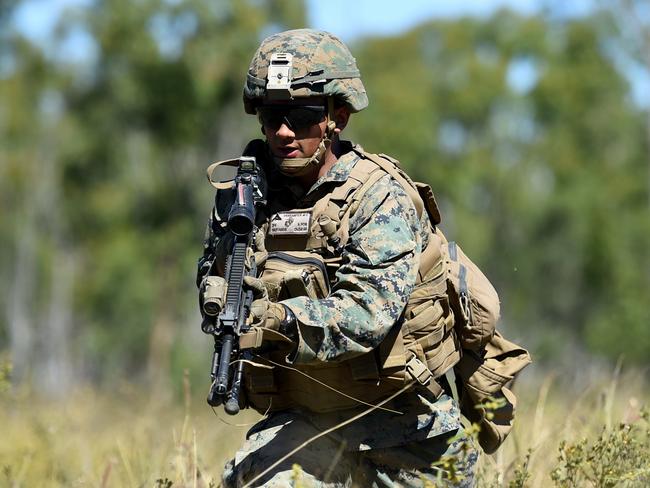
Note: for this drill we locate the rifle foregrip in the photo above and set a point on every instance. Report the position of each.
(214, 399)
(232, 406)
(221, 380)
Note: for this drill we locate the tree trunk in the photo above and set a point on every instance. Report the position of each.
(162, 331)
(57, 376)
(20, 303)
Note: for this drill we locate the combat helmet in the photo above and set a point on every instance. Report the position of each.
(304, 63)
(319, 65)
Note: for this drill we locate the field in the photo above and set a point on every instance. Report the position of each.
(128, 438)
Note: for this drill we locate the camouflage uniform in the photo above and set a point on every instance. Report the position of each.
(375, 283)
(331, 461)
(368, 299)
(371, 290)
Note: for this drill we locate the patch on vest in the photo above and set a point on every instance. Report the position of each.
(290, 223)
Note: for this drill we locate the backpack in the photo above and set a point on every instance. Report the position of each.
(489, 363)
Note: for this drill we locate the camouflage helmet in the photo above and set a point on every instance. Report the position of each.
(319, 64)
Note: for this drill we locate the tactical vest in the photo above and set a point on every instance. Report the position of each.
(419, 349)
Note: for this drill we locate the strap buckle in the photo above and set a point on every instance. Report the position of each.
(419, 370)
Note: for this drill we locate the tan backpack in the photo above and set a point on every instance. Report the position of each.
(489, 363)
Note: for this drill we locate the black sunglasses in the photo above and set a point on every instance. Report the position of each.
(296, 117)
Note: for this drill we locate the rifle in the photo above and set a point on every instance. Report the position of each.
(226, 323)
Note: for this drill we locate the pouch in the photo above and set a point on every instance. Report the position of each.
(485, 378)
(473, 299)
(294, 274)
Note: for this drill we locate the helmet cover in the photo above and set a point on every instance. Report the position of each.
(321, 65)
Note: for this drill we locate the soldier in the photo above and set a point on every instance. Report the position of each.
(349, 257)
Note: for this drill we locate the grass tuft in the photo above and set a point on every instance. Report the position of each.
(597, 435)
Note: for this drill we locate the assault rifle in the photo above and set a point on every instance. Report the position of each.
(226, 319)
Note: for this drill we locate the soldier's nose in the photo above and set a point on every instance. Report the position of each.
(285, 130)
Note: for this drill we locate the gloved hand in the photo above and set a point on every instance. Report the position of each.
(264, 313)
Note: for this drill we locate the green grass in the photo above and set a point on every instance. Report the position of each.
(596, 435)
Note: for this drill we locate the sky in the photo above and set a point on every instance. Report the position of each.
(348, 19)
(386, 17)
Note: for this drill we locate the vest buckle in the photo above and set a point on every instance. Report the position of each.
(419, 370)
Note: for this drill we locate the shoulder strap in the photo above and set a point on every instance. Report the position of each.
(334, 209)
(391, 167)
(344, 200)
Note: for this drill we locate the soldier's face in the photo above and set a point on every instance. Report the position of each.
(295, 129)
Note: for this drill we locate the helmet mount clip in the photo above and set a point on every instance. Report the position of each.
(279, 76)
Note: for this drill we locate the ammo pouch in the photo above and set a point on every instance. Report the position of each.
(370, 377)
(295, 274)
(484, 380)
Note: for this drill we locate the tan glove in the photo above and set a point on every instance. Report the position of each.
(264, 313)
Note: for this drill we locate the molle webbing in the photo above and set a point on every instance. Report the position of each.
(391, 167)
(342, 201)
(423, 347)
(341, 204)
(366, 172)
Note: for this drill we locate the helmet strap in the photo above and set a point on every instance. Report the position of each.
(303, 166)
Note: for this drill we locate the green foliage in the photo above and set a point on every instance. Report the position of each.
(132, 436)
(124, 437)
(537, 174)
(522, 473)
(102, 161)
(618, 457)
(5, 375)
(450, 466)
(106, 165)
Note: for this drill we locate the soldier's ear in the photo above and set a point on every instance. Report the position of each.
(341, 117)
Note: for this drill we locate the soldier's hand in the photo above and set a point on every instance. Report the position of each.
(264, 313)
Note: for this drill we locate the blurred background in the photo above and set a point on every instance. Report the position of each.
(530, 119)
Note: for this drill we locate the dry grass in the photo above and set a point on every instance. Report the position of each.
(126, 438)
(604, 415)
(116, 439)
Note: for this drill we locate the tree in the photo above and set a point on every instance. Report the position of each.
(518, 122)
(109, 238)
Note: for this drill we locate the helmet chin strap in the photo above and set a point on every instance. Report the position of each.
(303, 166)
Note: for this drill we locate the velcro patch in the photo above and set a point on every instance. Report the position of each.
(294, 222)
